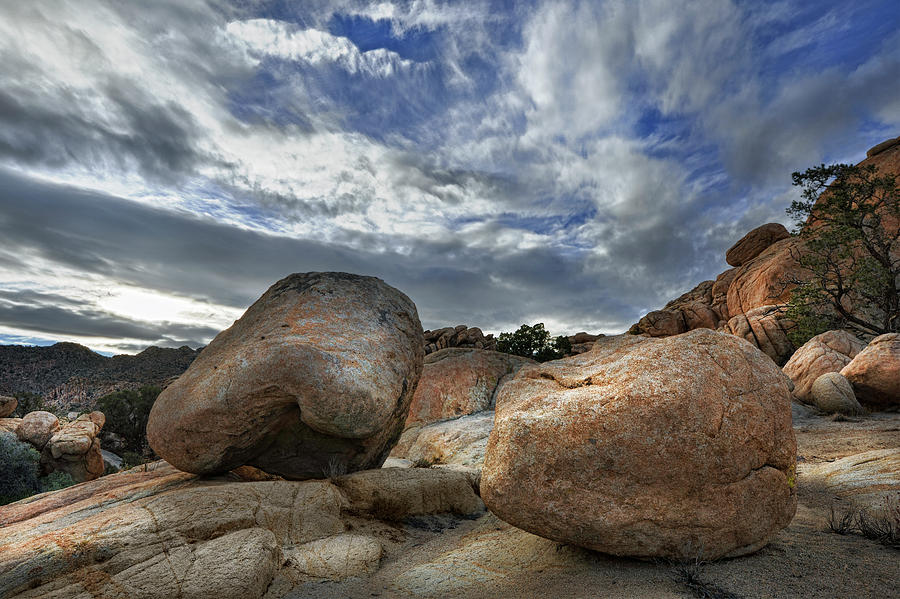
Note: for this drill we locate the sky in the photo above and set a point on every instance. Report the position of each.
(573, 163)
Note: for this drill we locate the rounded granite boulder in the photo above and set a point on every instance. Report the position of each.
(315, 378)
(648, 447)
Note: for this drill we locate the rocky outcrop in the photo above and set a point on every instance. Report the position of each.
(319, 371)
(832, 394)
(156, 532)
(827, 352)
(37, 428)
(458, 336)
(456, 382)
(452, 411)
(875, 373)
(866, 479)
(647, 447)
(765, 280)
(75, 448)
(767, 328)
(753, 243)
(8, 405)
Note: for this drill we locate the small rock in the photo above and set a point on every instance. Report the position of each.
(832, 393)
(38, 427)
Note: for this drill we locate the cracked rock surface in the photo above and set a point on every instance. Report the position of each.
(647, 447)
(162, 533)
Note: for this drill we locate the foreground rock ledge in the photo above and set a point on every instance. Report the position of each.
(316, 377)
(160, 533)
(646, 447)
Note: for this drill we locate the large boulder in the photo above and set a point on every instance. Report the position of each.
(753, 243)
(832, 393)
(75, 448)
(767, 328)
(318, 374)
(8, 405)
(827, 352)
(37, 428)
(647, 447)
(457, 381)
(875, 373)
(766, 279)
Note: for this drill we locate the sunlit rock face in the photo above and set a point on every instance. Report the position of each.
(647, 447)
(318, 374)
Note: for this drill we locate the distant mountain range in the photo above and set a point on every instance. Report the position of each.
(71, 376)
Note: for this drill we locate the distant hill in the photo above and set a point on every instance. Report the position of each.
(71, 376)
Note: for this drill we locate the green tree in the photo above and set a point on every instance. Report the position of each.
(849, 222)
(534, 342)
(127, 413)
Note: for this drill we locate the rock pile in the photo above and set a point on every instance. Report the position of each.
(458, 336)
(828, 352)
(647, 447)
(317, 375)
(743, 300)
(73, 447)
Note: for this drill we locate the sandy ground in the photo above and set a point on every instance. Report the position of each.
(448, 557)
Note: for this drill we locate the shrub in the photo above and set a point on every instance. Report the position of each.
(19, 469)
(534, 342)
(28, 402)
(126, 415)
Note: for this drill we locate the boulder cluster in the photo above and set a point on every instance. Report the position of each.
(743, 300)
(458, 336)
(72, 447)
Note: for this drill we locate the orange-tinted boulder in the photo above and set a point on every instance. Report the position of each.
(753, 243)
(828, 352)
(765, 280)
(37, 428)
(649, 447)
(767, 328)
(7, 406)
(317, 374)
(460, 381)
(875, 373)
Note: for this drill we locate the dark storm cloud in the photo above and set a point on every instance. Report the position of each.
(59, 315)
(193, 256)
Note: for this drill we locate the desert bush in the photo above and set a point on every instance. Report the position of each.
(881, 525)
(689, 573)
(28, 402)
(19, 469)
(534, 342)
(126, 414)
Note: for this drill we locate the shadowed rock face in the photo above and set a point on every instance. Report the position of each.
(319, 372)
(647, 447)
(875, 373)
(827, 352)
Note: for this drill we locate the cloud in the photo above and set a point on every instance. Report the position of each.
(576, 163)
